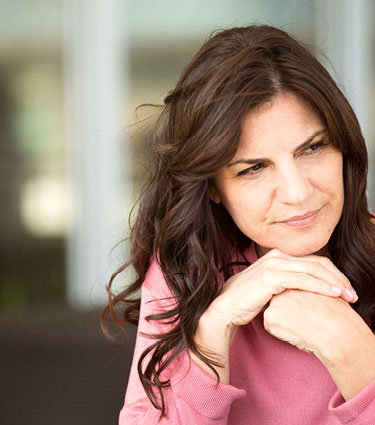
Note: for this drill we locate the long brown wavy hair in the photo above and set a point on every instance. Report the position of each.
(196, 133)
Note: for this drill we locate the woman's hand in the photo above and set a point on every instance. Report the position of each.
(330, 329)
(245, 294)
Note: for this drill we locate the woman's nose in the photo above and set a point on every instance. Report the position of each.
(293, 186)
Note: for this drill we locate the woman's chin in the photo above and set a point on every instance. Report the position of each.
(296, 251)
(304, 252)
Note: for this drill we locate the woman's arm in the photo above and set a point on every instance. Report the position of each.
(193, 397)
(330, 329)
(339, 337)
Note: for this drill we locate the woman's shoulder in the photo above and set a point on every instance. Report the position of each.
(372, 218)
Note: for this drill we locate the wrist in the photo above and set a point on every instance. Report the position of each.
(345, 361)
(213, 338)
(345, 342)
(215, 333)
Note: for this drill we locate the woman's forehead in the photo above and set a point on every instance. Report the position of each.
(286, 120)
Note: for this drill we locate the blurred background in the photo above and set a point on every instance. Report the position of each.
(71, 75)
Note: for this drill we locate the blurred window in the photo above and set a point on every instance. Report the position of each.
(32, 161)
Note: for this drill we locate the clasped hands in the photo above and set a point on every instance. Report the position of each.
(306, 302)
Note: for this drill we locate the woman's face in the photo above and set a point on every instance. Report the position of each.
(284, 187)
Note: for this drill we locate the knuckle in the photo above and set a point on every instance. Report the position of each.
(326, 262)
(277, 288)
(273, 262)
(302, 278)
(266, 276)
(275, 301)
(269, 320)
(285, 296)
(275, 252)
(267, 316)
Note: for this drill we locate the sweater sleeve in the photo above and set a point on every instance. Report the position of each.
(193, 396)
(360, 410)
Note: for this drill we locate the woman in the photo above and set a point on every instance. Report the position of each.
(254, 247)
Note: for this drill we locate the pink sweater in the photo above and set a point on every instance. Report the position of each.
(272, 382)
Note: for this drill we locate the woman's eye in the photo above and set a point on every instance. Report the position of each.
(315, 147)
(252, 170)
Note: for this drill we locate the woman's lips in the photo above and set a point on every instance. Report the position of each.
(303, 220)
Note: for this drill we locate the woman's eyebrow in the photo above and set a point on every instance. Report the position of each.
(298, 148)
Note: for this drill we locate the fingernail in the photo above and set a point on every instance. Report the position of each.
(352, 294)
(336, 290)
(355, 295)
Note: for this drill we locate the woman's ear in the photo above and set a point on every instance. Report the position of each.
(213, 193)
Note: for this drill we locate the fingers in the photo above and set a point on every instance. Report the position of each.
(246, 293)
(327, 263)
(307, 282)
(312, 273)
